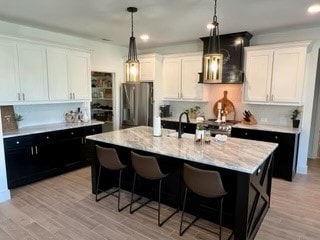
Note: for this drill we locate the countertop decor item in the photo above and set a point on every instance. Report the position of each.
(248, 118)
(294, 117)
(8, 119)
(226, 106)
(132, 64)
(213, 60)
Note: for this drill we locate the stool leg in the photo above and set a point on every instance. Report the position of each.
(97, 189)
(183, 206)
(221, 205)
(132, 192)
(159, 199)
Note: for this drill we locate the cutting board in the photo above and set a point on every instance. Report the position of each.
(227, 105)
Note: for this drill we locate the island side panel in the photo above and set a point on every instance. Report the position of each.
(252, 200)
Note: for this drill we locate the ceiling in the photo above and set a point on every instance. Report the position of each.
(166, 21)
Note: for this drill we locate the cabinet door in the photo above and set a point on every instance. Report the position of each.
(172, 78)
(288, 75)
(33, 72)
(146, 69)
(9, 79)
(258, 73)
(19, 160)
(57, 74)
(79, 75)
(190, 88)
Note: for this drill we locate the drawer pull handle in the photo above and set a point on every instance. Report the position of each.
(17, 142)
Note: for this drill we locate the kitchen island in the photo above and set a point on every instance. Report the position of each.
(245, 167)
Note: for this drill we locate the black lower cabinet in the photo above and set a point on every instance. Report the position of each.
(285, 156)
(38, 156)
(186, 127)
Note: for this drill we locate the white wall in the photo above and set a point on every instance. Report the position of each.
(4, 192)
(275, 115)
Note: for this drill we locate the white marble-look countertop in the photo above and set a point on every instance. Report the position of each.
(270, 128)
(47, 128)
(236, 154)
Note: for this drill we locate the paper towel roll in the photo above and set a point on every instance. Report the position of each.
(157, 126)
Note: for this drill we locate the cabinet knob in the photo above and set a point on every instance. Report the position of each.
(47, 137)
(71, 133)
(17, 142)
(93, 130)
(276, 137)
(246, 133)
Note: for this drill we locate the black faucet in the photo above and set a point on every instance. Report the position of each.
(180, 132)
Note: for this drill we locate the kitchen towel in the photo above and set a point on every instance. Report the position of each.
(157, 126)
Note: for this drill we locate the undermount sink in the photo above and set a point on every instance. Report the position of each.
(184, 135)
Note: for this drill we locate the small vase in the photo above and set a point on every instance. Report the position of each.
(295, 123)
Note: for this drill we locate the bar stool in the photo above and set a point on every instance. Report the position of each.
(148, 168)
(204, 183)
(108, 159)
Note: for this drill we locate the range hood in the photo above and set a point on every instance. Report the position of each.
(232, 47)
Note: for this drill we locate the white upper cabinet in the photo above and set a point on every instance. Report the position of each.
(275, 74)
(79, 75)
(32, 72)
(9, 75)
(181, 77)
(147, 68)
(68, 74)
(57, 74)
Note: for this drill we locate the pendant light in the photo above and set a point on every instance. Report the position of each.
(213, 59)
(132, 64)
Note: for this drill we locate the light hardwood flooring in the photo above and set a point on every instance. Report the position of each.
(64, 208)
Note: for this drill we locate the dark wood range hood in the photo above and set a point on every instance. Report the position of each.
(232, 47)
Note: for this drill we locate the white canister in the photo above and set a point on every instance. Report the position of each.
(157, 126)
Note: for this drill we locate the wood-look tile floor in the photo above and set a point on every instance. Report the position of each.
(64, 208)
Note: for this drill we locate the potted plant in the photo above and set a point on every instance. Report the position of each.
(18, 118)
(199, 136)
(294, 117)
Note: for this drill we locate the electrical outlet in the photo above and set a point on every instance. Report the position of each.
(264, 120)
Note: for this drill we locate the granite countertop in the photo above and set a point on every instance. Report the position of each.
(270, 128)
(47, 128)
(236, 154)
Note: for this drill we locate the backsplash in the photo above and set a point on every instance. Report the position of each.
(264, 114)
(46, 113)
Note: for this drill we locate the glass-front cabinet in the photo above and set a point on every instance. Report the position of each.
(102, 98)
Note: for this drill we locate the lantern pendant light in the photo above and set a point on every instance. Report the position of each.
(132, 64)
(213, 59)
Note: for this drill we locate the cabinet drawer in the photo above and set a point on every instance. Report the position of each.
(17, 142)
(92, 130)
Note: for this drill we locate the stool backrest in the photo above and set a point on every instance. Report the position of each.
(108, 158)
(206, 183)
(146, 166)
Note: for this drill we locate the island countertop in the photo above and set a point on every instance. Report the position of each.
(235, 154)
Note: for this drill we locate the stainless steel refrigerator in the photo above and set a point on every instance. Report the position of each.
(137, 104)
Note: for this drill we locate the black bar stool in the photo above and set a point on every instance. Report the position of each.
(204, 183)
(148, 168)
(108, 159)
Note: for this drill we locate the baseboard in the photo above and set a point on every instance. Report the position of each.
(5, 195)
(302, 169)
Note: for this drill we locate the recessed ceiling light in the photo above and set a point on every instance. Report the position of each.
(144, 37)
(314, 8)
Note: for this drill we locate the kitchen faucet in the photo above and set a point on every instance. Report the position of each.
(180, 129)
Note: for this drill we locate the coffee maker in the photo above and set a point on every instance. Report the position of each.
(164, 110)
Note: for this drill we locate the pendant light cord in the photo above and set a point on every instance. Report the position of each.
(131, 24)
